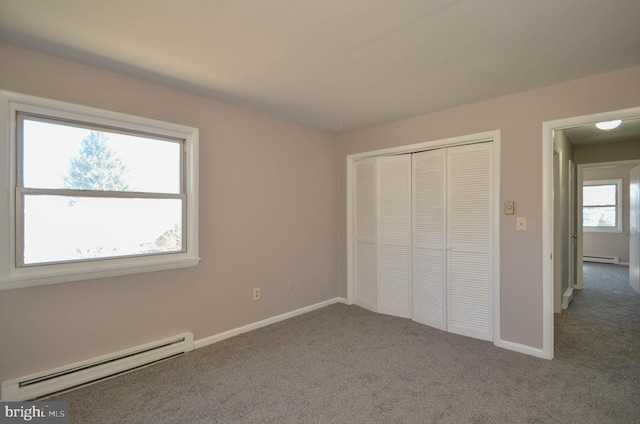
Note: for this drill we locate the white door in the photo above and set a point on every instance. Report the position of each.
(469, 241)
(429, 238)
(394, 235)
(365, 226)
(573, 237)
(634, 239)
(423, 237)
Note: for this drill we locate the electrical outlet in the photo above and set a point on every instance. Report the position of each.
(521, 223)
(256, 293)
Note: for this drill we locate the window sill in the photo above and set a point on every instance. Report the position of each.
(601, 230)
(40, 276)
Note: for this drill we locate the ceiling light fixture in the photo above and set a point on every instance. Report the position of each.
(608, 125)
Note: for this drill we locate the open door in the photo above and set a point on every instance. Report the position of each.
(572, 225)
(634, 227)
(573, 237)
(557, 235)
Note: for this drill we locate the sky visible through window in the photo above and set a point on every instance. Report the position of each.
(48, 148)
(63, 228)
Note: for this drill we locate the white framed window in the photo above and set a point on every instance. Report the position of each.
(92, 193)
(602, 205)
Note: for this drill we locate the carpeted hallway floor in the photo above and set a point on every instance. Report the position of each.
(344, 364)
(603, 319)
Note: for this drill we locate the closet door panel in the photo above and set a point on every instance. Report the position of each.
(394, 281)
(469, 240)
(365, 229)
(429, 238)
(429, 301)
(365, 288)
(470, 293)
(394, 244)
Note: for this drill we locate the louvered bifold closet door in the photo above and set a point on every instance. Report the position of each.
(365, 223)
(469, 240)
(394, 235)
(429, 238)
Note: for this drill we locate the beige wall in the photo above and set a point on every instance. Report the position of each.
(609, 244)
(607, 152)
(520, 118)
(272, 210)
(267, 217)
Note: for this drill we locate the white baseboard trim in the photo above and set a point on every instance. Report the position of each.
(254, 326)
(520, 348)
(623, 263)
(342, 300)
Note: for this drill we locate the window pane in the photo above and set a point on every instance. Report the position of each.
(59, 156)
(59, 228)
(599, 216)
(599, 195)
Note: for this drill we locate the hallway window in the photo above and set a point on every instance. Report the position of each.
(601, 205)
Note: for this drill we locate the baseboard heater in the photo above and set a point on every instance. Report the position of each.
(567, 296)
(602, 259)
(86, 372)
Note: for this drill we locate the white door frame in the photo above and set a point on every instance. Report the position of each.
(494, 137)
(634, 224)
(548, 256)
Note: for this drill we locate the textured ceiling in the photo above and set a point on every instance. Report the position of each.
(336, 64)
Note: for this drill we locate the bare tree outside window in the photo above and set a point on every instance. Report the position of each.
(97, 166)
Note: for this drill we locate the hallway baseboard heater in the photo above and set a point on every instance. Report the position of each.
(91, 371)
(567, 297)
(601, 259)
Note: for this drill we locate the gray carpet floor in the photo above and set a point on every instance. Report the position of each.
(344, 364)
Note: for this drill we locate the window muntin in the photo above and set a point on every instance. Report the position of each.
(159, 190)
(601, 205)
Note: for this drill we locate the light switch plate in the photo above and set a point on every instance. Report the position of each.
(509, 208)
(521, 223)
